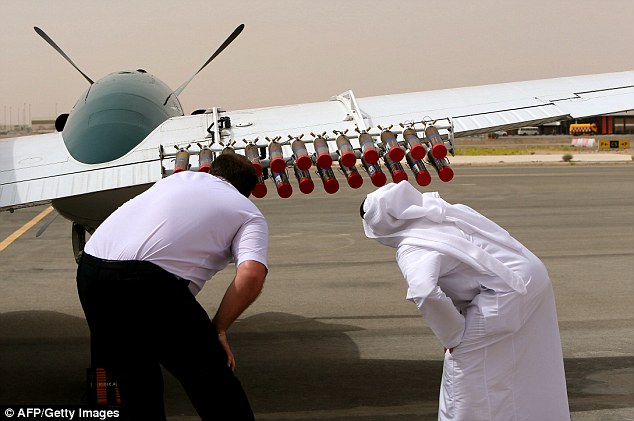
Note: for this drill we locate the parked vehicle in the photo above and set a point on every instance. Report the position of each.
(528, 131)
(577, 129)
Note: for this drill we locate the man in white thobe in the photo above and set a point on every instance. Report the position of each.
(485, 296)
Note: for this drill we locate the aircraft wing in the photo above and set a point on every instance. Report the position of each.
(473, 110)
(37, 169)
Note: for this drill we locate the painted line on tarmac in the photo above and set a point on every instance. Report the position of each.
(10, 239)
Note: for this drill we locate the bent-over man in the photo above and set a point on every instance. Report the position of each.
(138, 277)
(485, 296)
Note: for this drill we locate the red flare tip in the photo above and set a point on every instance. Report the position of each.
(177, 170)
(259, 191)
(306, 185)
(278, 165)
(371, 156)
(423, 178)
(303, 162)
(355, 180)
(445, 174)
(284, 190)
(399, 176)
(378, 179)
(331, 185)
(204, 168)
(396, 153)
(439, 150)
(417, 152)
(258, 168)
(324, 161)
(348, 159)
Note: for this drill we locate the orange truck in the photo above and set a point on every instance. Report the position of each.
(578, 129)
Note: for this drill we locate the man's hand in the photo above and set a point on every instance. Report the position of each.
(231, 361)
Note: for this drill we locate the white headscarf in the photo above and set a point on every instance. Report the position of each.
(398, 214)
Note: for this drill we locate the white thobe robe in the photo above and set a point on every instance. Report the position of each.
(507, 362)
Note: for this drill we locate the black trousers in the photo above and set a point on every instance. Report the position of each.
(141, 317)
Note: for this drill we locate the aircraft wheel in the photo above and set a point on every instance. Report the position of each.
(79, 240)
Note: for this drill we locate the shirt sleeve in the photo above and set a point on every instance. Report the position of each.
(251, 241)
(422, 268)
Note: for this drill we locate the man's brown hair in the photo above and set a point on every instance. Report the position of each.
(237, 170)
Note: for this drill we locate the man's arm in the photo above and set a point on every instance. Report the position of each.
(241, 293)
(443, 318)
(421, 269)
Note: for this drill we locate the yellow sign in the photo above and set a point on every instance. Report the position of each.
(614, 144)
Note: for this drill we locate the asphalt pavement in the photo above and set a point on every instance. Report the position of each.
(332, 337)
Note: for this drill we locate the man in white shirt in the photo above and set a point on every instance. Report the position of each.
(486, 297)
(138, 277)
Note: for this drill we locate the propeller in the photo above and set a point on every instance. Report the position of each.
(224, 45)
(59, 50)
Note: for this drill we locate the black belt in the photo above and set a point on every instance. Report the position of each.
(120, 264)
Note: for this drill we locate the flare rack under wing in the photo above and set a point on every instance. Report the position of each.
(289, 139)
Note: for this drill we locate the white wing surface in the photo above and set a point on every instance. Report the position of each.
(473, 110)
(37, 169)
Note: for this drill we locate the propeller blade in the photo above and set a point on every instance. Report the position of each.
(59, 50)
(224, 45)
(48, 222)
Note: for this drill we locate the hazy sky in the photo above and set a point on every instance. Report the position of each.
(295, 51)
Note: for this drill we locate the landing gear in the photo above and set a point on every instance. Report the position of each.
(79, 240)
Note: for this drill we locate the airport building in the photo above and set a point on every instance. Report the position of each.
(42, 125)
(617, 124)
(621, 123)
(609, 124)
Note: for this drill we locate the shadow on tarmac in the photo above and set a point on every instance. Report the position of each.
(293, 363)
(287, 363)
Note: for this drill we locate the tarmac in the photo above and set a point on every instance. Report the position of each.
(332, 337)
(585, 157)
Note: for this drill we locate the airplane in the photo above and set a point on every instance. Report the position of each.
(128, 130)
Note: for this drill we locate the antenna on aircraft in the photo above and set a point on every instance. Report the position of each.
(224, 45)
(59, 50)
